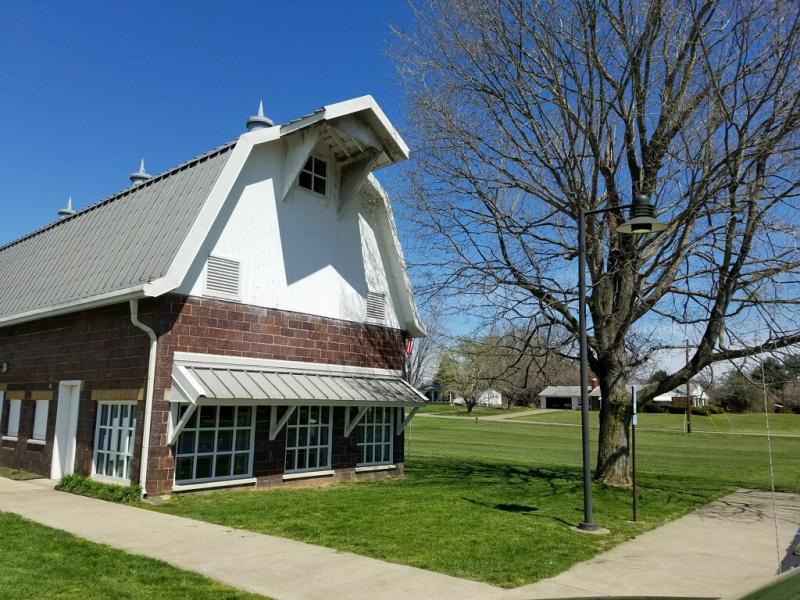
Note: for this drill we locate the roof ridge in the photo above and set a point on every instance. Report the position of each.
(121, 194)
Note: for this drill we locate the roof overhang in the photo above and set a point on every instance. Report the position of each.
(199, 379)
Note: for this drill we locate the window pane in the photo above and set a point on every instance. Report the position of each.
(203, 468)
(128, 469)
(104, 414)
(305, 180)
(226, 416)
(313, 415)
(243, 416)
(302, 419)
(101, 439)
(183, 468)
(186, 443)
(192, 422)
(323, 439)
(101, 463)
(289, 463)
(208, 416)
(319, 167)
(114, 415)
(302, 435)
(240, 464)
(319, 185)
(223, 466)
(369, 454)
(312, 459)
(111, 463)
(323, 458)
(243, 439)
(205, 441)
(224, 440)
(309, 164)
(313, 436)
(301, 459)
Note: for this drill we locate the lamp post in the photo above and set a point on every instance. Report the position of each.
(642, 220)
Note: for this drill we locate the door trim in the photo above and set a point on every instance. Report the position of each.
(65, 437)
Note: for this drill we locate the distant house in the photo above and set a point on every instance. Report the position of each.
(677, 397)
(239, 319)
(433, 393)
(567, 397)
(490, 399)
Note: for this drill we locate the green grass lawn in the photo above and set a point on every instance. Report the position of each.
(39, 562)
(730, 423)
(495, 501)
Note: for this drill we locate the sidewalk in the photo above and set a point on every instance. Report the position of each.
(272, 566)
(724, 548)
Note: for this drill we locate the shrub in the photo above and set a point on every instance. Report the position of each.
(84, 486)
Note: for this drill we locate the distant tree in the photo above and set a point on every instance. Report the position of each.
(447, 375)
(524, 112)
(658, 376)
(737, 392)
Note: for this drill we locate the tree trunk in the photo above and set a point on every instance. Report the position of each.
(615, 415)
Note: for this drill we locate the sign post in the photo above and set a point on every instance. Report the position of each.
(633, 448)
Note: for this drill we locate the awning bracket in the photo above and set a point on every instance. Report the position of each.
(349, 425)
(176, 430)
(401, 425)
(275, 426)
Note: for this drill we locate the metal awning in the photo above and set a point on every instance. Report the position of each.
(203, 379)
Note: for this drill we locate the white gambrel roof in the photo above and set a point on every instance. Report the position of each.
(124, 241)
(142, 241)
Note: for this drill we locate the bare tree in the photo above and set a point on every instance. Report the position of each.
(522, 111)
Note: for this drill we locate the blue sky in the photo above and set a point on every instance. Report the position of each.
(87, 88)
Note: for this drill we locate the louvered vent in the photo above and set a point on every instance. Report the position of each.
(376, 306)
(222, 277)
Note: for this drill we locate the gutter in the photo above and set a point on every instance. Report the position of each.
(148, 399)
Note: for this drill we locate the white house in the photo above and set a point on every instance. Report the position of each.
(490, 398)
(567, 397)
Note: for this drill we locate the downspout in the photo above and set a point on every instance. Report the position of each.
(148, 398)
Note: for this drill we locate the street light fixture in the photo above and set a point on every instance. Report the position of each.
(642, 221)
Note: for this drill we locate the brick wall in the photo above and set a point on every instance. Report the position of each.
(190, 324)
(102, 349)
(99, 347)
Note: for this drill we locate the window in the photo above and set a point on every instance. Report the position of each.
(113, 440)
(222, 277)
(375, 437)
(308, 439)
(40, 420)
(12, 429)
(217, 443)
(313, 175)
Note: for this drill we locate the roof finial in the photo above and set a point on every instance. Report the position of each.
(140, 176)
(66, 212)
(259, 121)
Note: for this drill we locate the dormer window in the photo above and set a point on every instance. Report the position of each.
(313, 175)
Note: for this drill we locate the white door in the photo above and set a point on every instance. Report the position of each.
(69, 393)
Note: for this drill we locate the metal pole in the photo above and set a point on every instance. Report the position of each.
(633, 448)
(587, 524)
(688, 394)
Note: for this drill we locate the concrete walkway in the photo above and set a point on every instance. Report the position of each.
(724, 548)
(272, 566)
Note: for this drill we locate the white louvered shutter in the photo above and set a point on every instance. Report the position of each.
(222, 277)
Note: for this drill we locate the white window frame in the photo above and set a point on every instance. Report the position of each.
(112, 432)
(40, 413)
(369, 423)
(14, 410)
(293, 434)
(193, 427)
(327, 178)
